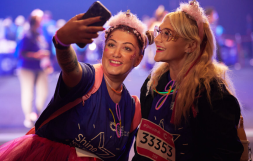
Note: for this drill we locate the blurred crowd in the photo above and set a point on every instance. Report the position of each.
(236, 50)
(26, 50)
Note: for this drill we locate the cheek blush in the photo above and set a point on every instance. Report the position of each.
(133, 56)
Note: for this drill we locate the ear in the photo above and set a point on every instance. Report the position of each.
(191, 46)
(138, 60)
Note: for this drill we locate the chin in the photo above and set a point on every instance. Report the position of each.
(157, 59)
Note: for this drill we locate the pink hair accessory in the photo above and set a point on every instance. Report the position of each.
(57, 39)
(195, 12)
(130, 20)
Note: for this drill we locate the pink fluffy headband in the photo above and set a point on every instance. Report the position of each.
(130, 20)
(196, 13)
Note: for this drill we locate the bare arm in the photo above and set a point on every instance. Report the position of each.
(74, 31)
(71, 69)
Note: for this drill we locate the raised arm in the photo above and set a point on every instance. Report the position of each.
(74, 31)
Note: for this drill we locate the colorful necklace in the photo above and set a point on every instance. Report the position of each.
(118, 92)
(165, 94)
(119, 118)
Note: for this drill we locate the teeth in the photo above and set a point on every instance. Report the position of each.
(159, 48)
(115, 62)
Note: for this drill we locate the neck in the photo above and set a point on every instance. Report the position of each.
(175, 68)
(113, 82)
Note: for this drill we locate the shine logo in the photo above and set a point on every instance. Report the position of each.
(81, 142)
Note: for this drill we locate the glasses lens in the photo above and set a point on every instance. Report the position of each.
(165, 34)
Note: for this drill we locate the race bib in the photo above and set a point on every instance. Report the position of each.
(155, 143)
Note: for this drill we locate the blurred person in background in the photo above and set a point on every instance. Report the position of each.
(33, 68)
(9, 29)
(249, 33)
(159, 14)
(59, 23)
(19, 22)
(48, 26)
(148, 60)
(213, 17)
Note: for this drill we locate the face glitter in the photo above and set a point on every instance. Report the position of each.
(133, 56)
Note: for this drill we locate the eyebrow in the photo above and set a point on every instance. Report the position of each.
(165, 28)
(129, 43)
(123, 43)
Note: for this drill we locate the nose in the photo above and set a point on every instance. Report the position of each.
(158, 38)
(117, 53)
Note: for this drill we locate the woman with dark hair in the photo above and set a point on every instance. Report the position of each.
(102, 123)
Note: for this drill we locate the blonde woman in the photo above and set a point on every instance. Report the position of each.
(189, 111)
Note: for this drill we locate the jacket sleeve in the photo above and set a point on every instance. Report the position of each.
(215, 132)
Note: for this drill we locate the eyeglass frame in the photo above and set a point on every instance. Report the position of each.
(157, 32)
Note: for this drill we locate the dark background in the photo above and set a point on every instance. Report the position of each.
(232, 13)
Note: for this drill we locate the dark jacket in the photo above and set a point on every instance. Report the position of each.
(213, 129)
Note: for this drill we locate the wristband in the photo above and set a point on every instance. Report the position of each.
(62, 44)
(58, 44)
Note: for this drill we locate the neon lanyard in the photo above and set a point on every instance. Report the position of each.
(119, 118)
(165, 95)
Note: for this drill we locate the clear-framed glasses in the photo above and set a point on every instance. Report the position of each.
(166, 34)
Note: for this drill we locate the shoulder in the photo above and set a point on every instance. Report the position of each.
(88, 72)
(221, 103)
(137, 114)
(218, 92)
(27, 37)
(216, 123)
(87, 67)
(144, 85)
(161, 82)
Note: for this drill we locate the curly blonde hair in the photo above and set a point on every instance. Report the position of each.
(202, 73)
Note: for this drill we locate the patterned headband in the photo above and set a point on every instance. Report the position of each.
(195, 12)
(128, 20)
(132, 30)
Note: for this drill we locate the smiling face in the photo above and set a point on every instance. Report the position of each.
(121, 54)
(170, 47)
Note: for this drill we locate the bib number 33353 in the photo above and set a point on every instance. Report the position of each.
(154, 142)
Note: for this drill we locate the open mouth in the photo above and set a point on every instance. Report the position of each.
(115, 62)
(158, 48)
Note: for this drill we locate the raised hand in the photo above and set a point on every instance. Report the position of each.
(77, 30)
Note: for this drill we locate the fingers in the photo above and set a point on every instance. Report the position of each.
(92, 29)
(86, 41)
(79, 16)
(89, 35)
(77, 31)
(89, 21)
